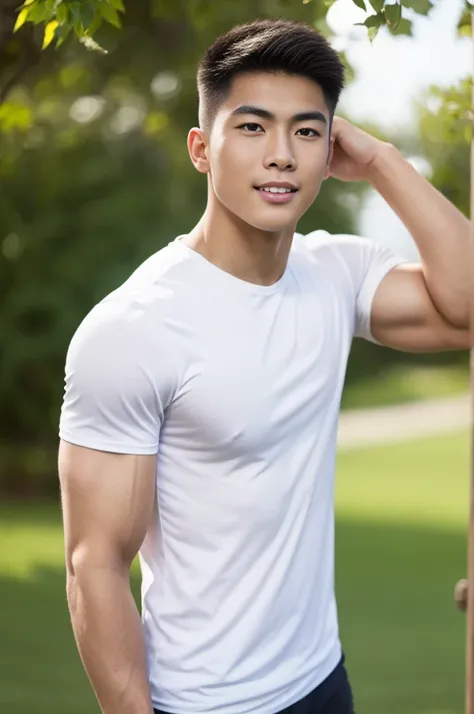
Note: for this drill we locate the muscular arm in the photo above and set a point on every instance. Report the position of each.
(405, 318)
(107, 502)
(423, 307)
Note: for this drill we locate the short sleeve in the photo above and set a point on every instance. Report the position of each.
(374, 264)
(364, 265)
(117, 383)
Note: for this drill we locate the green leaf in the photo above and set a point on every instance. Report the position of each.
(38, 12)
(465, 30)
(405, 27)
(373, 23)
(375, 20)
(49, 32)
(377, 5)
(21, 19)
(95, 24)
(393, 15)
(361, 4)
(465, 24)
(62, 13)
(373, 32)
(77, 20)
(422, 7)
(61, 34)
(118, 5)
(87, 13)
(110, 14)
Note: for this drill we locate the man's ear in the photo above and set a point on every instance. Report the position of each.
(327, 170)
(197, 147)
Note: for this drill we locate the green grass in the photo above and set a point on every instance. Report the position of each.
(401, 546)
(403, 384)
(401, 522)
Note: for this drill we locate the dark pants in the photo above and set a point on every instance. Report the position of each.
(333, 696)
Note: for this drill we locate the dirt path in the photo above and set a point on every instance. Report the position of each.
(386, 425)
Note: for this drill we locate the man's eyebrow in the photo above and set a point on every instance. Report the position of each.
(265, 114)
(309, 116)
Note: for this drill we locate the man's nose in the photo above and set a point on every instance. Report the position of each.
(280, 155)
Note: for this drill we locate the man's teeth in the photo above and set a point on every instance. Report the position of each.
(274, 189)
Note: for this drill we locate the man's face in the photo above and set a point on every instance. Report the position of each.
(273, 128)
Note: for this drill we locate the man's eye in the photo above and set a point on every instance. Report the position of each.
(250, 126)
(308, 132)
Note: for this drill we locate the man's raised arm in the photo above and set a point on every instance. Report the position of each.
(107, 502)
(425, 306)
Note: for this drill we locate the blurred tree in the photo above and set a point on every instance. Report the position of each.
(445, 133)
(95, 177)
(61, 17)
(54, 20)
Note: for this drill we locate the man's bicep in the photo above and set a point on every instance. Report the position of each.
(404, 317)
(107, 502)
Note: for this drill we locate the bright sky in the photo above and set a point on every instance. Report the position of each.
(392, 73)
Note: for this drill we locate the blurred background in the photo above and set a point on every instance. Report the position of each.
(95, 177)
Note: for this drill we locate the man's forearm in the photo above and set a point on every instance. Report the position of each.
(108, 633)
(440, 230)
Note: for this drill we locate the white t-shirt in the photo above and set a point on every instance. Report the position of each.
(237, 389)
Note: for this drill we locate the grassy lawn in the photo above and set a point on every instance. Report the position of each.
(406, 383)
(401, 512)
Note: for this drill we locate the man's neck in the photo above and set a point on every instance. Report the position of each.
(246, 252)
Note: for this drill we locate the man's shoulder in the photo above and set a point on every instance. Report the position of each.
(320, 243)
(141, 305)
(156, 283)
(334, 252)
(164, 275)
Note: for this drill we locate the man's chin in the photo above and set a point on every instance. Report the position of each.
(276, 218)
(274, 224)
(276, 230)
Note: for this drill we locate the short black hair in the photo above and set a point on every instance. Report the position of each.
(267, 45)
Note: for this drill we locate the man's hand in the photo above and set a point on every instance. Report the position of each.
(354, 151)
(422, 307)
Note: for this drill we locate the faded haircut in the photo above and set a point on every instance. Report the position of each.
(274, 46)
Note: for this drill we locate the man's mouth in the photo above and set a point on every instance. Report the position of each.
(274, 189)
(277, 187)
(277, 192)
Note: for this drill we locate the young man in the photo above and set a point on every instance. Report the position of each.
(202, 398)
